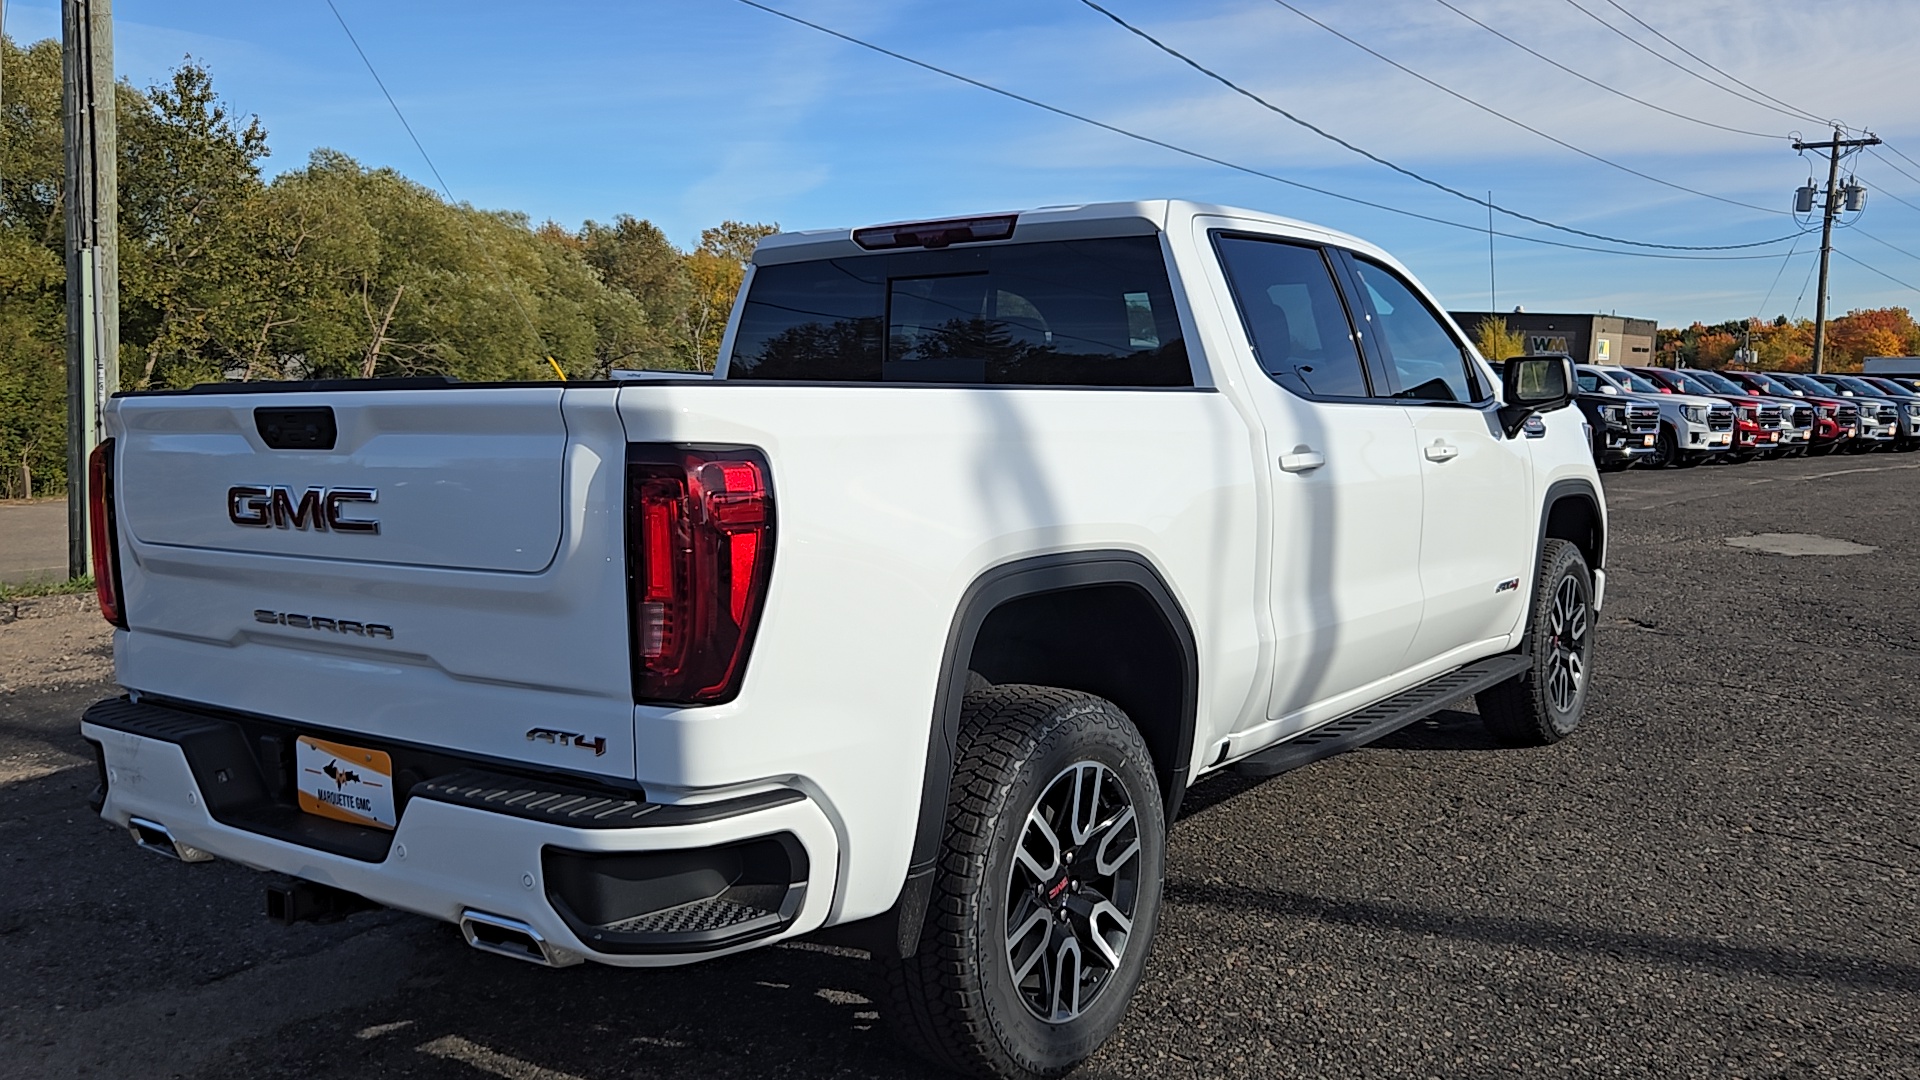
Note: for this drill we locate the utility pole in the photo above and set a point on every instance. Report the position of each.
(1829, 210)
(1493, 294)
(93, 264)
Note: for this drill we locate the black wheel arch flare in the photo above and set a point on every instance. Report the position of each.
(996, 587)
(1594, 546)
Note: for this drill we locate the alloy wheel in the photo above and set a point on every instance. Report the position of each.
(1568, 628)
(1072, 890)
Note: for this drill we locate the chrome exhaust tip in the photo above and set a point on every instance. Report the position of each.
(511, 937)
(155, 837)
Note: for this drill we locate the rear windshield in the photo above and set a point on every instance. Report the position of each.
(1060, 313)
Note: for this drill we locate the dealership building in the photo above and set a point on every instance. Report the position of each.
(1589, 339)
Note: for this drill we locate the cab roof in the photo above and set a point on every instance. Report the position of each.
(1077, 222)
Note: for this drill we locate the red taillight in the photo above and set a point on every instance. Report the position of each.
(699, 551)
(104, 536)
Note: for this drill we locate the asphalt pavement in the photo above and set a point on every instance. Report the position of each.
(33, 540)
(1716, 877)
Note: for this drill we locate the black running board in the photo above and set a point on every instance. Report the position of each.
(1357, 729)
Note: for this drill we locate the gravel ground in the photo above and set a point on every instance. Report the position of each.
(1715, 878)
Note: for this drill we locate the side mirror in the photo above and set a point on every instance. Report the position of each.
(1533, 384)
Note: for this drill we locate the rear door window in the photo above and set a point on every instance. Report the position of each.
(1294, 316)
(1060, 313)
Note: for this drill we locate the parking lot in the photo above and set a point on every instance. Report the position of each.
(1718, 877)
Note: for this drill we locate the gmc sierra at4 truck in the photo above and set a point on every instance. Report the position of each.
(908, 628)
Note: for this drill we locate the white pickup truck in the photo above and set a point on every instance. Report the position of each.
(909, 628)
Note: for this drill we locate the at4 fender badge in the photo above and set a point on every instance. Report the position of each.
(1507, 586)
(597, 744)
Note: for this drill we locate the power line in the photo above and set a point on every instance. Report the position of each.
(1650, 51)
(1888, 194)
(1876, 270)
(1776, 278)
(1804, 282)
(473, 235)
(1544, 58)
(1884, 244)
(1895, 168)
(1455, 192)
(1497, 113)
(1785, 110)
(1222, 162)
(1903, 157)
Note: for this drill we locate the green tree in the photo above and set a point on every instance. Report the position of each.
(32, 275)
(331, 270)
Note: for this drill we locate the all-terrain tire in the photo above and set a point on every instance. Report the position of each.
(957, 1001)
(1542, 704)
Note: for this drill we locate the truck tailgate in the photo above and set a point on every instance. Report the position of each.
(467, 480)
(469, 594)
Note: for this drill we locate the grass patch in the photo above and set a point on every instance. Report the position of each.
(69, 587)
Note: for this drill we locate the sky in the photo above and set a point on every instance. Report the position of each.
(690, 112)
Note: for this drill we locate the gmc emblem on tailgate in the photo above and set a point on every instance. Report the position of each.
(319, 509)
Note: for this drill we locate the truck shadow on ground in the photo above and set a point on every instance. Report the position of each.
(1856, 972)
(1449, 729)
(791, 1011)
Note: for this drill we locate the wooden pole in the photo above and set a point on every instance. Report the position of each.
(92, 245)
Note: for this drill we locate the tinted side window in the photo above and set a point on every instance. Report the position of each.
(1061, 313)
(1431, 365)
(1294, 316)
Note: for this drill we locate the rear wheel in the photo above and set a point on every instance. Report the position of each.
(1542, 704)
(1047, 890)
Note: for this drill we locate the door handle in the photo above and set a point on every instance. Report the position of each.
(1302, 459)
(1442, 451)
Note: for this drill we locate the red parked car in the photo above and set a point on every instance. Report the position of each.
(1836, 420)
(1756, 420)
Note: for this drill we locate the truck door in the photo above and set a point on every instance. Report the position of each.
(1344, 589)
(1477, 521)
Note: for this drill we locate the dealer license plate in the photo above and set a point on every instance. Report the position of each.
(1648, 441)
(345, 783)
(1722, 440)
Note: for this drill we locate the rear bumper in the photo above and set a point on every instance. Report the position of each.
(665, 884)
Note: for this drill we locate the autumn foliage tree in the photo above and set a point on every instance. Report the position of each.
(1787, 345)
(1496, 341)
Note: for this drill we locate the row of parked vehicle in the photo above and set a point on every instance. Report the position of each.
(1661, 417)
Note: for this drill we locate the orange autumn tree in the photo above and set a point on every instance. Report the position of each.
(1866, 332)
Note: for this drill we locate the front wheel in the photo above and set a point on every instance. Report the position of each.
(1542, 704)
(1666, 449)
(1047, 890)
